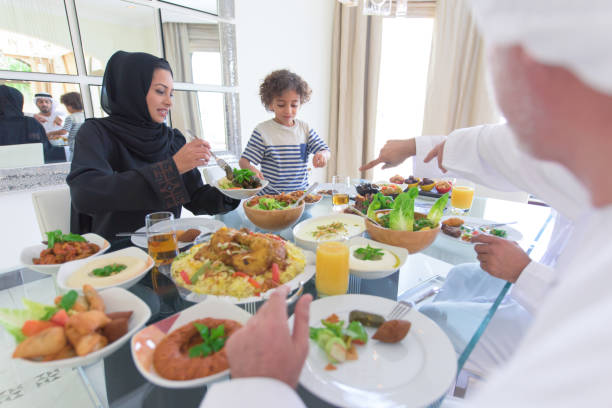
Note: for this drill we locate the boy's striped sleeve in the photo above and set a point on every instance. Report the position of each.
(255, 148)
(315, 143)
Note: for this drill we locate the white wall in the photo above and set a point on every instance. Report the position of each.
(292, 34)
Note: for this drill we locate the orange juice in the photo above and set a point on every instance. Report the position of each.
(332, 268)
(461, 197)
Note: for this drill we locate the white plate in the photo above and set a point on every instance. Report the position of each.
(242, 193)
(31, 252)
(513, 234)
(388, 183)
(201, 223)
(306, 225)
(401, 253)
(293, 284)
(414, 372)
(115, 300)
(143, 343)
(68, 269)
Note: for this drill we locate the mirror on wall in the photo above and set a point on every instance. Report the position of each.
(59, 121)
(208, 6)
(193, 48)
(111, 25)
(34, 37)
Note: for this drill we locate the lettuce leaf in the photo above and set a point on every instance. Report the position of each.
(13, 319)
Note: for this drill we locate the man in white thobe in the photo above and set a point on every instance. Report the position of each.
(551, 66)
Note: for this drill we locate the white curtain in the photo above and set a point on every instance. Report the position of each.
(356, 48)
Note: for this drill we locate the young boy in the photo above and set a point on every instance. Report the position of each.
(281, 145)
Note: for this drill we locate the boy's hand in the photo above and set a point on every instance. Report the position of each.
(319, 159)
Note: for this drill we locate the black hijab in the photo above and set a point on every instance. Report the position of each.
(15, 127)
(126, 82)
(11, 102)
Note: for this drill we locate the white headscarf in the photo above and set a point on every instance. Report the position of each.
(574, 34)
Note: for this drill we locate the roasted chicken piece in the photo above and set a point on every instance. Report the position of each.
(48, 341)
(93, 298)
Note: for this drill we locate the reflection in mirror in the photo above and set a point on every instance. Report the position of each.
(204, 114)
(59, 122)
(192, 48)
(209, 6)
(34, 37)
(114, 25)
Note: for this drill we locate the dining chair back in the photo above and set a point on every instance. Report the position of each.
(52, 208)
(21, 155)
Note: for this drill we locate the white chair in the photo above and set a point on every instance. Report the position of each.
(52, 208)
(21, 155)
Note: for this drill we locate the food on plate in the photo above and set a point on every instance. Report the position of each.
(326, 192)
(390, 189)
(338, 342)
(329, 230)
(371, 258)
(242, 178)
(454, 232)
(401, 217)
(106, 271)
(194, 350)
(453, 222)
(494, 231)
(366, 318)
(378, 202)
(443, 187)
(238, 263)
(397, 179)
(392, 331)
(187, 236)
(367, 188)
(64, 247)
(75, 326)
(427, 184)
(412, 181)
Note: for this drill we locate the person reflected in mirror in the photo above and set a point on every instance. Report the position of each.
(16, 128)
(72, 123)
(131, 163)
(282, 145)
(49, 115)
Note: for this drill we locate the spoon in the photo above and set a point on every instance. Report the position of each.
(229, 173)
(310, 189)
(296, 295)
(362, 215)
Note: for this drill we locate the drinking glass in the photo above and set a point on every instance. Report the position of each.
(341, 186)
(462, 196)
(161, 237)
(332, 275)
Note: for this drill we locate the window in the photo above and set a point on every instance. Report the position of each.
(406, 46)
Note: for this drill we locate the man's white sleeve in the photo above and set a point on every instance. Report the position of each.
(424, 144)
(254, 392)
(533, 285)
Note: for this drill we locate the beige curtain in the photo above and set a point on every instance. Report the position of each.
(356, 49)
(457, 94)
(185, 113)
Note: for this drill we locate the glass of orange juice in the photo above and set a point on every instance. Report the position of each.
(332, 276)
(462, 196)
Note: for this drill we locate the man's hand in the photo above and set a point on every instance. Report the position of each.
(320, 159)
(58, 121)
(191, 155)
(265, 348)
(501, 258)
(40, 118)
(438, 152)
(393, 153)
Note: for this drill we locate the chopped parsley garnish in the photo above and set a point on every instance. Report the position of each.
(213, 340)
(109, 270)
(369, 254)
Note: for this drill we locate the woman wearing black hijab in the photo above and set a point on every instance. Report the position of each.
(130, 163)
(16, 128)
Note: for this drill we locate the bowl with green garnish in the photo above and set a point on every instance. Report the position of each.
(369, 259)
(123, 268)
(242, 184)
(273, 212)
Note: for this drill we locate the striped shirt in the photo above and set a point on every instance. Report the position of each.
(283, 153)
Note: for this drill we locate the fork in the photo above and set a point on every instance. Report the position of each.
(401, 308)
(229, 173)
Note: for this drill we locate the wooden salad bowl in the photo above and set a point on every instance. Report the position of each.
(273, 220)
(413, 241)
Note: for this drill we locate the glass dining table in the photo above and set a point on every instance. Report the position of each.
(116, 382)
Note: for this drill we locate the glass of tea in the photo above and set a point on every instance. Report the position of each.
(341, 186)
(332, 266)
(161, 237)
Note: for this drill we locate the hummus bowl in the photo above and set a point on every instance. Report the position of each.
(73, 275)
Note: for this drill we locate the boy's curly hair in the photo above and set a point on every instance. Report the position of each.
(278, 82)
